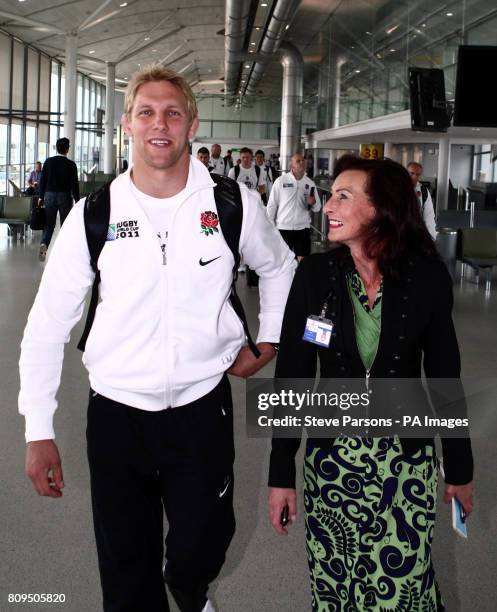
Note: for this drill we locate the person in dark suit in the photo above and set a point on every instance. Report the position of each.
(58, 186)
(385, 298)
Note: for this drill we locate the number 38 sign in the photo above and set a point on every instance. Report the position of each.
(372, 151)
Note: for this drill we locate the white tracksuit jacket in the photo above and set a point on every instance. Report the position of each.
(162, 335)
(287, 206)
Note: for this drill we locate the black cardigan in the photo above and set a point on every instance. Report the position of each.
(416, 323)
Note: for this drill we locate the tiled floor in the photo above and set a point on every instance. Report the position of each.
(47, 546)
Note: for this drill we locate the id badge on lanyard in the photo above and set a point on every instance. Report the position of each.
(318, 330)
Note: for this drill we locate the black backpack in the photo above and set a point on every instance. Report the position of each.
(230, 211)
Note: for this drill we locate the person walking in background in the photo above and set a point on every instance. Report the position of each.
(293, 197)
(424, 197)
(58, 186)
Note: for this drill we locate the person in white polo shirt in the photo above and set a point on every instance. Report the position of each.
(217, 162)
(293, 197)
(248, 174)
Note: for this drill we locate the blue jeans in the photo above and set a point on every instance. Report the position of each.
(55, 201)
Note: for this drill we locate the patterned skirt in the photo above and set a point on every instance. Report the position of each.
(369, 517)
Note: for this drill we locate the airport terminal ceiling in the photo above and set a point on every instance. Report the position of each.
(371, 41)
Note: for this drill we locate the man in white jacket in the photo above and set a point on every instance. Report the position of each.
(160, 431)
(293, 197)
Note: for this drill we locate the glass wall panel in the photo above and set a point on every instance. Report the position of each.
(54, 90)
(32, 81)
(44, 86)
(18, 77)
(5, 45)
(30, 155)
(79, 100)
(3, 158)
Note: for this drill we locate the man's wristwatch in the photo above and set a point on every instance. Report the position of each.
(276, 346)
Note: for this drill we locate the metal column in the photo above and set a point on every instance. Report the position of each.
(109, 157)
(69, 129)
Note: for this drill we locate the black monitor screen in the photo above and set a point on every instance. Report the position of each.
(475, 104)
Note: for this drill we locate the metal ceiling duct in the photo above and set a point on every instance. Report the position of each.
(291, 102)
(283, 14)
(237, 16)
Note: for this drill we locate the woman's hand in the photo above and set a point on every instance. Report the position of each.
(464, 494)
(278, 499)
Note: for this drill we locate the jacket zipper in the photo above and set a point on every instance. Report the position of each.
(368, 370)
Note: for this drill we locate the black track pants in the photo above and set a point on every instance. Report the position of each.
(180, 460)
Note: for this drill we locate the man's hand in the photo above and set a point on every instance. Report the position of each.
(311, 200)
(278, 499)
(44, 468)
(246, 364)
(464, 494)
(261, 189)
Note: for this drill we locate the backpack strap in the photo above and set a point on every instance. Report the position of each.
(96, 218)
(237, 172)
(230, 211)
(257, 172)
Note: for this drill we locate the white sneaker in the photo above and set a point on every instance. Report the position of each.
(43, 252)
(209, 607)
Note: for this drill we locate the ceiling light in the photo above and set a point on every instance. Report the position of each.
(92, 51)
(253, 43)
(257, 28)
(147, 38)
(369, 33)
(154, 50)
(392, 29)
(450, 14)
(243, 81)
(392, 50)
(357, 71)
(287, 26)
(251, 51)
(123, 4)
(423, 25)
(21, 0)
(247, 65)
(352, 47)
(263, 3)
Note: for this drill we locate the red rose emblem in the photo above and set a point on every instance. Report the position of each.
(209, 222)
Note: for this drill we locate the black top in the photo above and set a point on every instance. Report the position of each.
(416, 324)
(59, 174)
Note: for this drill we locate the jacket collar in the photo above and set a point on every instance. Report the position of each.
(198, 178)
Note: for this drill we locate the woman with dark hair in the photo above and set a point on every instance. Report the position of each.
(370, 501)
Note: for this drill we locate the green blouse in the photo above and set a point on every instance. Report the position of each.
(367, 320)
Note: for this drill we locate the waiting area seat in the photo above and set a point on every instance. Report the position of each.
(16, 213)
(479, 251)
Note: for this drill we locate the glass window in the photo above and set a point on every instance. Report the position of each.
(18, 76)
(3, 157)
(44, 86)
(62, 93)
(54, 90)
(79, 100)
(30, 148)
(15, 143)
(54, 134)
(5, 44)
(32, 81)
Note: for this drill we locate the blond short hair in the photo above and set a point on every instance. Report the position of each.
(153, 73)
